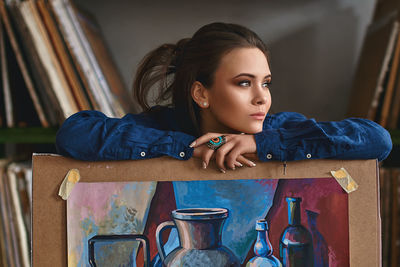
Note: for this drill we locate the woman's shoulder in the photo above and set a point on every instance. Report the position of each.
(286, 115)
(164, 117)
(159, 117)
(277, 119)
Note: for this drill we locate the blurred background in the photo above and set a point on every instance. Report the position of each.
(314, 44)
(330, 60)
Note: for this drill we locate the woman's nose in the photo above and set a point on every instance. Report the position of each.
(261, 101)
(260, 96)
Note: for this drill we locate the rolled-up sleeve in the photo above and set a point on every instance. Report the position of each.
(90, 135)
(290, 136)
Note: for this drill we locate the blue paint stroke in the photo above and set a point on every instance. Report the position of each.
(246, 200)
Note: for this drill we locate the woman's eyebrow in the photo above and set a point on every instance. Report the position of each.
(251, 75)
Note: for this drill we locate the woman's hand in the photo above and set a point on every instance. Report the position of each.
(232, 152)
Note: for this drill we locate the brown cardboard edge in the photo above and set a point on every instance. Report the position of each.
(379, 219)
(49, 236)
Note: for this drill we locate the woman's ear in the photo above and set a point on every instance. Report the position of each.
(200, 94)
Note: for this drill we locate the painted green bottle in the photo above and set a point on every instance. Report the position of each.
(295, 246)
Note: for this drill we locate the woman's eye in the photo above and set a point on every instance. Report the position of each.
(266, 84)
(244, 83)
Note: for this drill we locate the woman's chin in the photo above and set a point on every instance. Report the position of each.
(247, 128)
(252, 130)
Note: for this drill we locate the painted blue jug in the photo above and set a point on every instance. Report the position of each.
(199, 233)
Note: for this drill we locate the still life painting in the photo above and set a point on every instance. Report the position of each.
(249, 222)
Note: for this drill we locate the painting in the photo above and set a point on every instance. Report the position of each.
(202, 222)
(167, 212)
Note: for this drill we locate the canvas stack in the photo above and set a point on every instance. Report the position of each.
(376, 87)
(15, 217)
(376, 96)
(54, 63)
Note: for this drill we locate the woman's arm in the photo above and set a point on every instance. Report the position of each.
(291, 136)
(90, 135)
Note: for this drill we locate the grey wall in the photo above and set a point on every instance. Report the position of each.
(314, 44)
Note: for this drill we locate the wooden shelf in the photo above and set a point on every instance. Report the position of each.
(31, 135)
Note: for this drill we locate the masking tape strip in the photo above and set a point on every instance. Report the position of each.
(345, 180)
(68, 183)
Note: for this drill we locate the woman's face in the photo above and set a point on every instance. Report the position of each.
(239, 99)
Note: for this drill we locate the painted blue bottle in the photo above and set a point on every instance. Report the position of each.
(295, 246)
(263, 248)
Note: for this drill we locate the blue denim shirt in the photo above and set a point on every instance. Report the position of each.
(286, 136)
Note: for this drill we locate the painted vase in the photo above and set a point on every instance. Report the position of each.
(295, 246)
(263, 248)
(200, 235)
(119, 238)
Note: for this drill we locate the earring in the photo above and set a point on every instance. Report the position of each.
(205, 104)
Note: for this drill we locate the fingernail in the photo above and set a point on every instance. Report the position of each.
(204, 165)
(192, 144)
(222, 170)
(252, 164)
(233, 168)
(239, 164)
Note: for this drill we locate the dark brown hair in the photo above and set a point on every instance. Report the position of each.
(175, 67)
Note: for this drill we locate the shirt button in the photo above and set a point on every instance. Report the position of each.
(182, 154)
(308, 156)
(142, 153)
(269, 156)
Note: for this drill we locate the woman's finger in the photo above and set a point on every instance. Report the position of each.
(205, 138)
(221, 153)
(245, 161)
(250, 156)
(206, 156)
(238, 164)
(231, 158)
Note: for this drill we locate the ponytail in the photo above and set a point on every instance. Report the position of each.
(156, 69)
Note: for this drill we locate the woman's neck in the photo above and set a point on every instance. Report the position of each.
(209, 124)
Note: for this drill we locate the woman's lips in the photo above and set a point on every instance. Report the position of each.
(258, 116)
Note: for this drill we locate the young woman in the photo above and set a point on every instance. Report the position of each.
(219, 83)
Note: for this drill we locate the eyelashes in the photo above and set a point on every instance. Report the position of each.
(246, 83)
(267, 84)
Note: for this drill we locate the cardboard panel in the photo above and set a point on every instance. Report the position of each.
(49, 235)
